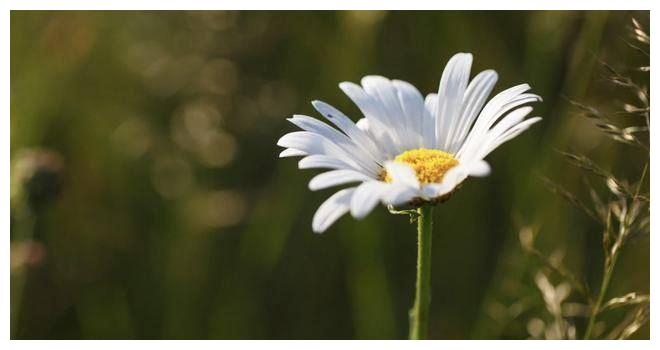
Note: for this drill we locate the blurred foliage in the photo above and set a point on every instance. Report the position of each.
(620, 206)
(150, 202)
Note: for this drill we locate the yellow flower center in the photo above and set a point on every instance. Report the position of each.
(430, 165)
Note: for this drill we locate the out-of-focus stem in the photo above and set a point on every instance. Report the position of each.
(607, 276)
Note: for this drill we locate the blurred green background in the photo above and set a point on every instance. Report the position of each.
(148, 200)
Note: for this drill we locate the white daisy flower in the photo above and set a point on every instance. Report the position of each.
(407, 149)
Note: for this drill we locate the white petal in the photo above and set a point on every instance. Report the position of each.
(510, 134)
(305, 141)
(434, 190)
(412, 104)
(365, 198)
(450, 97)
(479, 168)
(308, 123)
(332, 209)
(363, 124)
(514, 117)
(399, 194)
(480, 145)
(450, 180)
(489, 112)
(484, 143)
(347, 126)
(336, 178)
(431, 103)
(401, 173)
(336, 137)
(431, 109)
(475, 97)
(504, 102)
(291, 152)
(312, 143)
(508, 101)
(322, 161)
(379, 124)
(382, 90)
(456, 174)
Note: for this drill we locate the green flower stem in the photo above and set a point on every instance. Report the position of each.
(419, 314)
